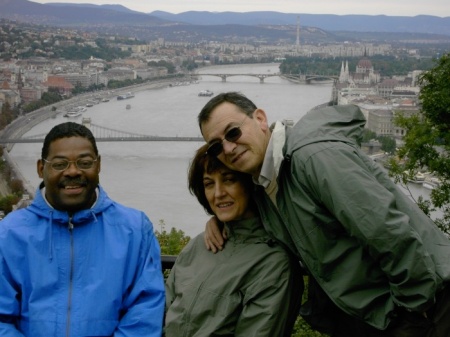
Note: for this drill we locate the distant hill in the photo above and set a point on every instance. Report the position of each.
(359, 23)
(228, 26)
(72, 15)
(118, 8)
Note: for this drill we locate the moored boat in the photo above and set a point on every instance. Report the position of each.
(75, 111)
(207, 93)
(128, 95)
(431, 183)
(72, 114)
(417, 178)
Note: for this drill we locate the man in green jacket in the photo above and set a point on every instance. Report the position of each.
(379, 259)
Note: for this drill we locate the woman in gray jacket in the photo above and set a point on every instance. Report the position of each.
(250, 288)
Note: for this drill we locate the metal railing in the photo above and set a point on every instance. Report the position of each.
(167, 261)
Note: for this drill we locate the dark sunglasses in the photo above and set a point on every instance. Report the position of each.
(232, 135)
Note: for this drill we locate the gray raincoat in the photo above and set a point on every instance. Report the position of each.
(370, 248)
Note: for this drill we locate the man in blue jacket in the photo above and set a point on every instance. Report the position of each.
(76, 263)
(382, 265)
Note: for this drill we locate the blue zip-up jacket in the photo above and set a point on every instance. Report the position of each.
(96, 274)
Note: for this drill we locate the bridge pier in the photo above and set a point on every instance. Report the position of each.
(302, 79)
(224, 78)
(86, 122)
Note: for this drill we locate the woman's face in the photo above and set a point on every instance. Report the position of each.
(226, 195)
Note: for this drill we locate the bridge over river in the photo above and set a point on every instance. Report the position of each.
(299, 78)
(103, 134)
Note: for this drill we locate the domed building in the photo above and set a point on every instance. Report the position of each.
(364, 73)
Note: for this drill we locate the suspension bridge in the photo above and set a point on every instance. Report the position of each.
(103, 134)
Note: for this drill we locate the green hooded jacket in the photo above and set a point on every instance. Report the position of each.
(369, 247)
(251, 288)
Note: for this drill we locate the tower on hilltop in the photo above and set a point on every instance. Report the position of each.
(298, 33)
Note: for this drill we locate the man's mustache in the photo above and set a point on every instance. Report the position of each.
(72, 182)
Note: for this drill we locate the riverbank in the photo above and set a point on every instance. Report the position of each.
(17, 174)
(4, 188)
(23, 124)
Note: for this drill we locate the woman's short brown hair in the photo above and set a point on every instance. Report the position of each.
(202, 163)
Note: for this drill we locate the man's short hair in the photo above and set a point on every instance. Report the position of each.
(240, 100)
(67, 130)
(202, 163)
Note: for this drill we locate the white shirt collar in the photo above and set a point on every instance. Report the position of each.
(272, 161)
(273, 156)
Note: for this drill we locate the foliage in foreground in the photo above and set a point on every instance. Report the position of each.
(427, 141)
(301, 328)
(388, 144)
(15, 187)
(172, 242)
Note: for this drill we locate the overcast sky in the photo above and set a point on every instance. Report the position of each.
(439, 8)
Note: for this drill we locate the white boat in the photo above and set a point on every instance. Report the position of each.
(431, 183)
(75, 111)
(417, 178)
(207, 93)
(79, 109)
(73, 114)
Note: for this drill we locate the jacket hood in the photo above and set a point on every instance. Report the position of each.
(42, 209)
(343, 123)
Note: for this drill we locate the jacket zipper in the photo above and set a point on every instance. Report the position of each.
(69, 305)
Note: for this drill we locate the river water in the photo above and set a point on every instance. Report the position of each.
(152, 176)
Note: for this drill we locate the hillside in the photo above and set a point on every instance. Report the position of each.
(70, 15)
(359, 23)
(251, 27)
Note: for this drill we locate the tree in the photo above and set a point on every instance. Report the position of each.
(427, 139)
(6, 115)
(173, 242)
(170, 67)
(435, 94)
(16, 186)
(368, 135)
(7, 202)
(388, 144)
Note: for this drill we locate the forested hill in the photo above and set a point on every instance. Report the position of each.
(70, 14)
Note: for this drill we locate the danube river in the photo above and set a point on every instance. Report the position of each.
(152, 176)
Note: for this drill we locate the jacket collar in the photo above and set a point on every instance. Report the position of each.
(246, 230)
(273, 156)
(41, 207)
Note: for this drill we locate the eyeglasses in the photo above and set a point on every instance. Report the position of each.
(232, 135)
(63, 164)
